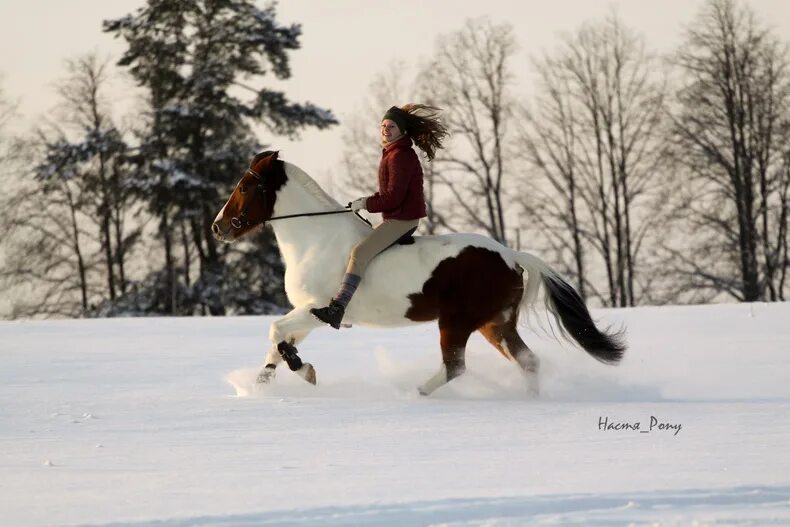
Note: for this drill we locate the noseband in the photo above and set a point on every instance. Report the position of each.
(243, 221)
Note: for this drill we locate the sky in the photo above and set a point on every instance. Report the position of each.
(345, 45)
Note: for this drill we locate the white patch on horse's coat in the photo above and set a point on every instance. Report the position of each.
(294, 326)
(402, 270)
(273, 355)
(221, 213)
(316, 251)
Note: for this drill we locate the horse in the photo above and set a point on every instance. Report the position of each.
(467, 282)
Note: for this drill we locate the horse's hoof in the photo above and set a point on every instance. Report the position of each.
(266, 375)
(307, 372)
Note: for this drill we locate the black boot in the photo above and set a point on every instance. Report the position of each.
(331, 314)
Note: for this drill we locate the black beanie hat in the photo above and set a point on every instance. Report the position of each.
(398, 116)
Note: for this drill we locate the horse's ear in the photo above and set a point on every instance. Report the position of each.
(263, 160)
(264, 154)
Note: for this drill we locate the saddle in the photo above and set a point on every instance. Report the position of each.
(408, 238)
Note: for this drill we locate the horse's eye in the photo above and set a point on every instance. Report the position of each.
(243, 190)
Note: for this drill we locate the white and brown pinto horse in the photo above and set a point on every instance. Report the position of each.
(468, 282)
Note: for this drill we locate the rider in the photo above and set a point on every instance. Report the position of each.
(399, 199)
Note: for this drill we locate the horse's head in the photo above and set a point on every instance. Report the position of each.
(252, 201)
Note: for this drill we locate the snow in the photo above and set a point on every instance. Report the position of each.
(140, 422)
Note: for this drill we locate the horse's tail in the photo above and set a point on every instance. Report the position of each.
(568, 308)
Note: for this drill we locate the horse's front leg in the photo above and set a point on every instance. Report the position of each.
(273, 358)
(284, 334)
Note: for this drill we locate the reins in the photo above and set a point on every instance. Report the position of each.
(320, 214)
(241, 220)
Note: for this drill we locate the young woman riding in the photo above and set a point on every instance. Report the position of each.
(400, 197)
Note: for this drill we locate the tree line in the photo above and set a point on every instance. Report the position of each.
(646, 178)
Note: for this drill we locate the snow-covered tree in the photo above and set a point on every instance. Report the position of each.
(100, 149)
(67, 233)
(203, 64)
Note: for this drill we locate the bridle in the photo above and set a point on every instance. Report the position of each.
(241, 220)
(237, 222)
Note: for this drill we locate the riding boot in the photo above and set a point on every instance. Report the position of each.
(331, 314)
(334, 312)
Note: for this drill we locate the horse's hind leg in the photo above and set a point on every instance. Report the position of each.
(503, 335)
(453, 342)
(526, 358)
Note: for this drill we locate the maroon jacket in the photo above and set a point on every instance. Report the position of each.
(400, 194)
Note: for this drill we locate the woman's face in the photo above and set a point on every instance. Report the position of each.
(389, 131)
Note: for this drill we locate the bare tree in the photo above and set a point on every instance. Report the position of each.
(731, 135)
(595, 138)
(7, 113)
(85, 110)
(48, 265)
(7, 157)
(361, 135)
(469, 77)
(548, 134)
(44, 271)
(66, 214)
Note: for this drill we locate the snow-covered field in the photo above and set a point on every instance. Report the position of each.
(144, 422)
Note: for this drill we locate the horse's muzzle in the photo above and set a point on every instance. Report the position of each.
(219, 234)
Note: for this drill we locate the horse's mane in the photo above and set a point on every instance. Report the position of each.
(309, 184)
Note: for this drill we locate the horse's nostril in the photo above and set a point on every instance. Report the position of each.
(215, 228)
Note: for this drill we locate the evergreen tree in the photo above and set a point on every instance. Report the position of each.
(198, 59)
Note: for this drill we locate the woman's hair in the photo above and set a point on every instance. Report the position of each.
(422, 124)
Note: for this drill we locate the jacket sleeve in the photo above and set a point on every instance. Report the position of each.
(401, 168)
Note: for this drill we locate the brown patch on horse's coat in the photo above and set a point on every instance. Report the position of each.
(268, 165)
(466, 292)
(257, 205)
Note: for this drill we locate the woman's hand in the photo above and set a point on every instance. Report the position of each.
(358, 204)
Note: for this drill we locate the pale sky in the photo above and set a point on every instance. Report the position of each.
(345, 44)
